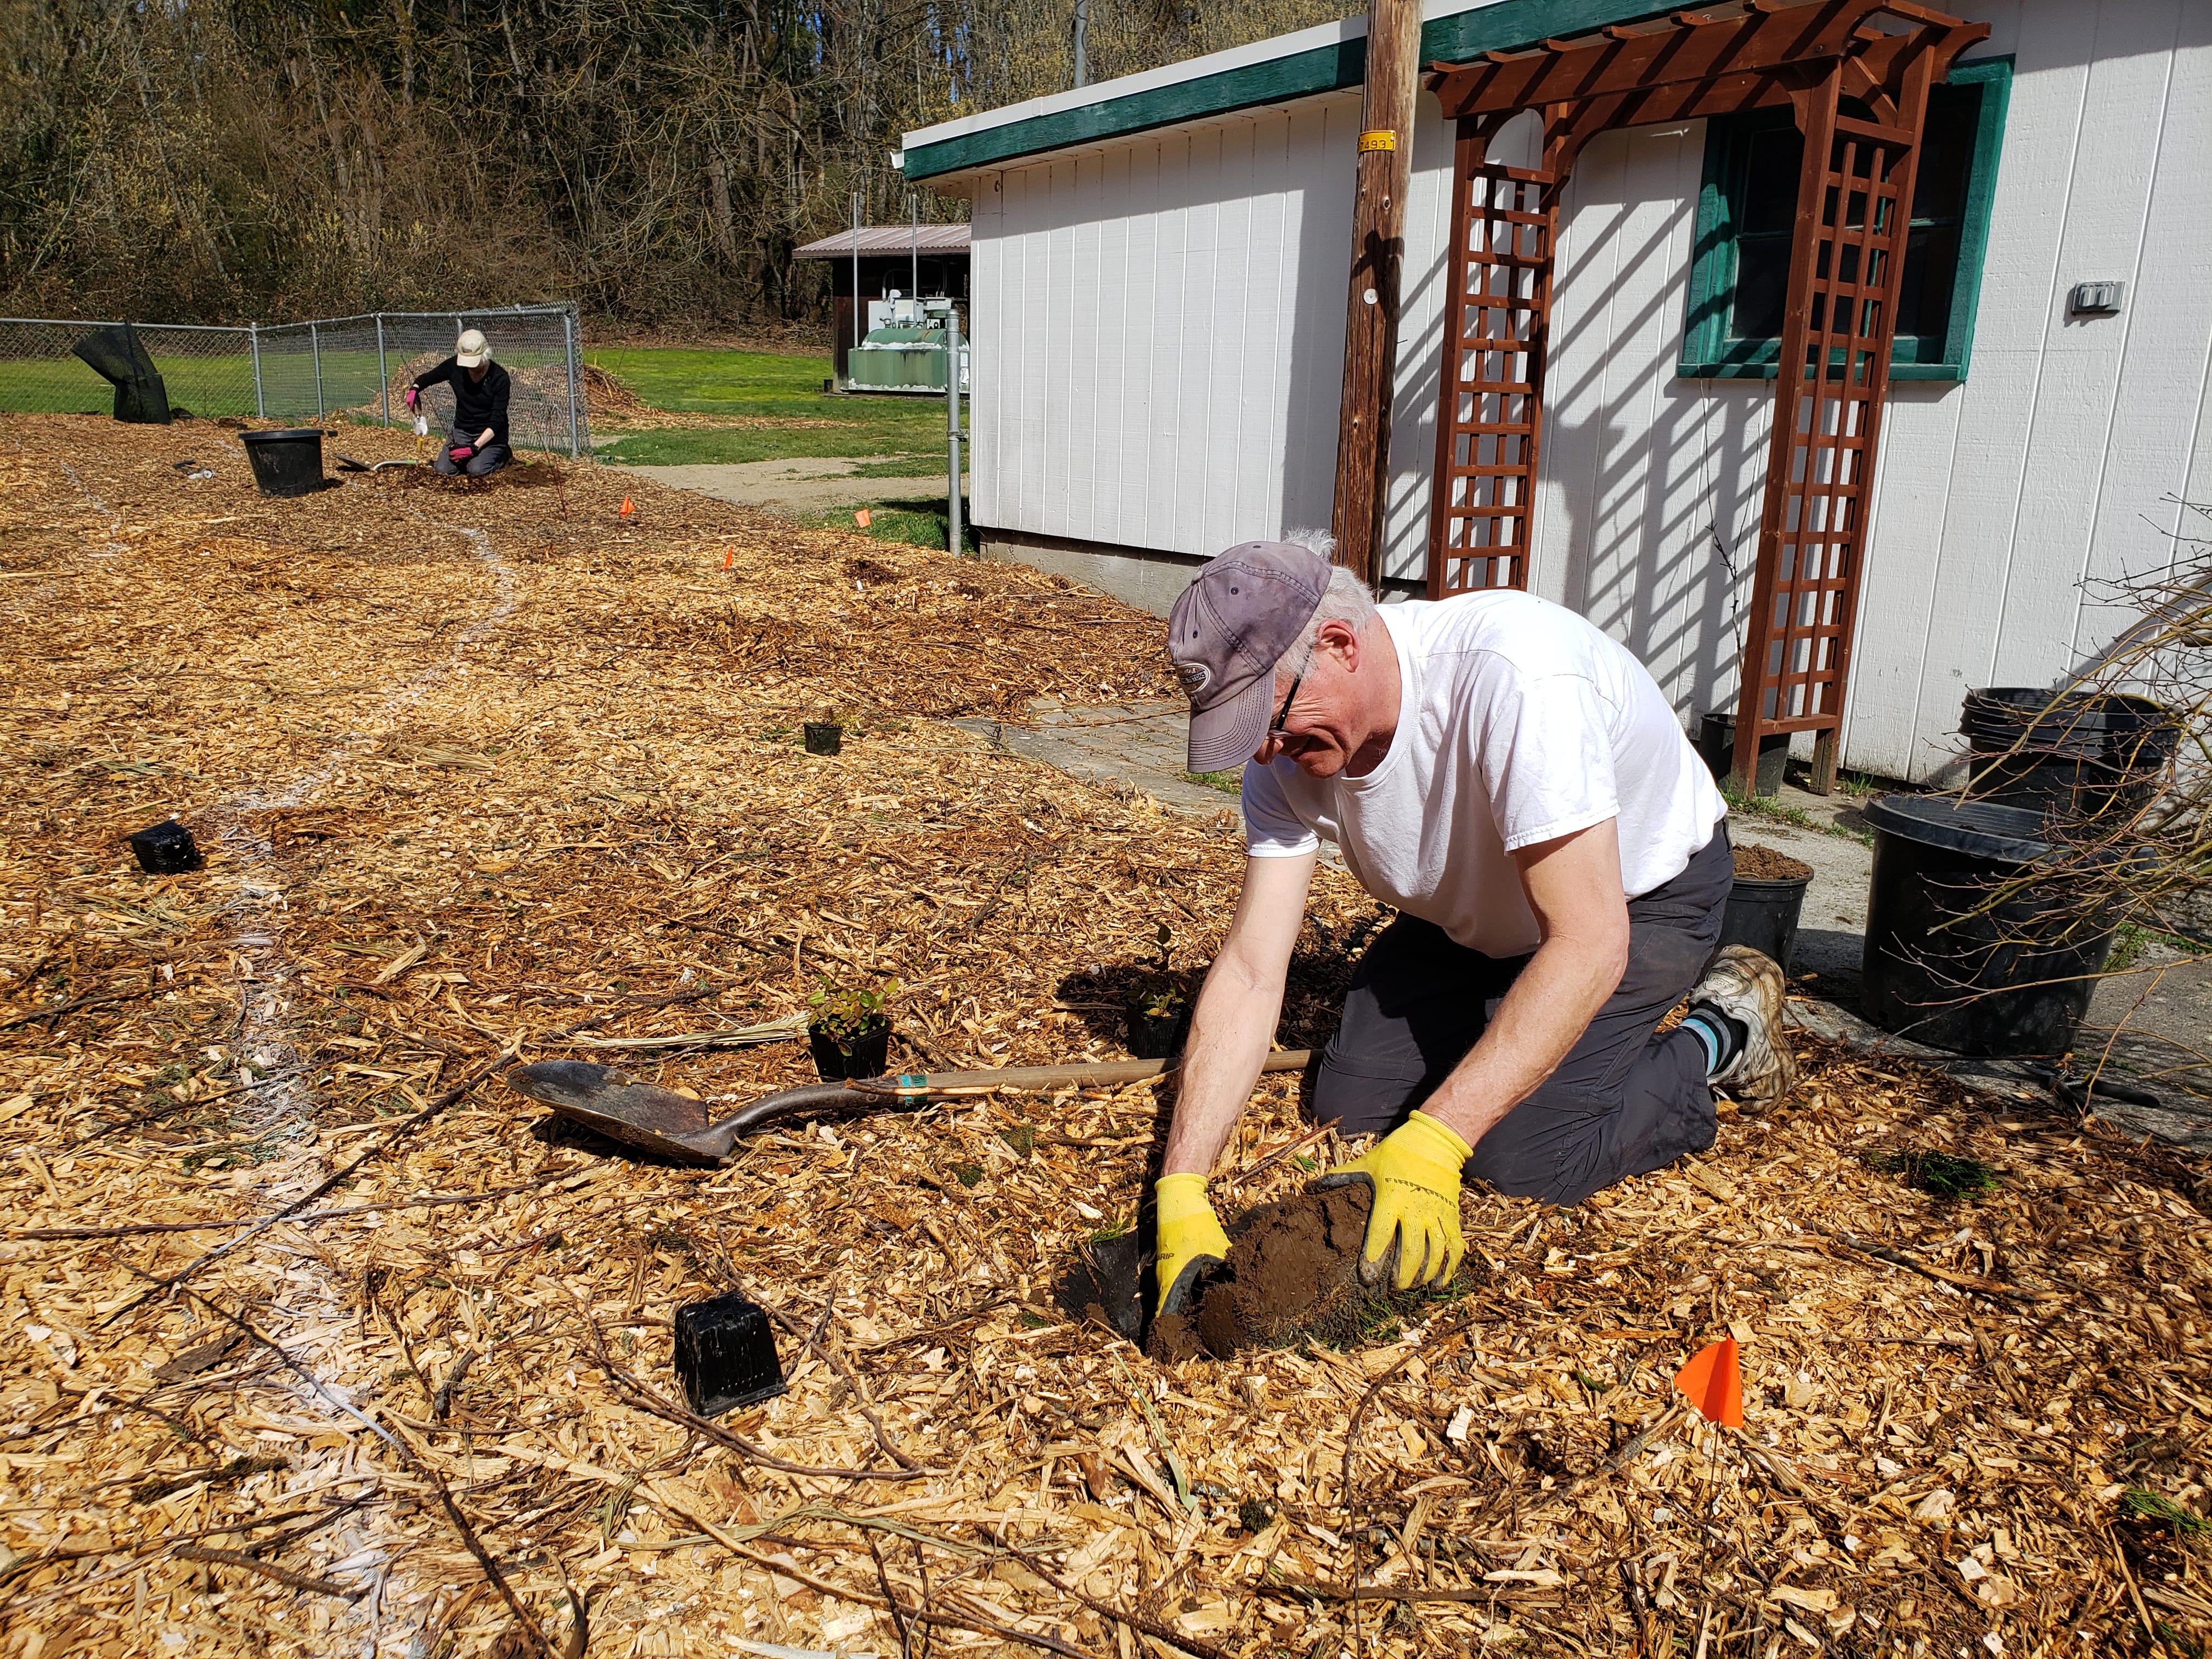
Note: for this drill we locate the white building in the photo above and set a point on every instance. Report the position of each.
(1159, 284)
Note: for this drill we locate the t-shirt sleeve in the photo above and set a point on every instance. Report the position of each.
(438, 375)
(1272, 831)
(1546, 759)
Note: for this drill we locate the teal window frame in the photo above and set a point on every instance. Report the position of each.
(1710, 352)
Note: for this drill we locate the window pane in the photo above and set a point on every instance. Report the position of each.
(1923, 304)
(1947, 152)
(1770, 183)
(1762, 288)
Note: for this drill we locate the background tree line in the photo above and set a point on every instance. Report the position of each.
(217, 161)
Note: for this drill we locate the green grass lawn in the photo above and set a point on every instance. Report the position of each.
(909, 523)
(209, 387)
(761, 383)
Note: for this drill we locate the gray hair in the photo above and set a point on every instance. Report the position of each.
(1345, 600)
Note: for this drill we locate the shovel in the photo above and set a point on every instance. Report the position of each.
(612, 1102)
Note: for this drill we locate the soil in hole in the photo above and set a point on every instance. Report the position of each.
(1293, 1272)
(1756, 863)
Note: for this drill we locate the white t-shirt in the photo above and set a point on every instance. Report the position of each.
(1521, 722)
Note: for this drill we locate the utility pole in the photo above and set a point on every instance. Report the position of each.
(1378, 245)
(1082, 43)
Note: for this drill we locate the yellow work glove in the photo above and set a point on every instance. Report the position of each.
(1414, 1172)
(1189, 1240)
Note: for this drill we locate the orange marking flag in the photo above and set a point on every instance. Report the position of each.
(627, 509)
(864, 518)
(1713, 1382)
(729, 557)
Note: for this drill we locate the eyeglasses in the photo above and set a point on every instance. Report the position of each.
(1275, 727)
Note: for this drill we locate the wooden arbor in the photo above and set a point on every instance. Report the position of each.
(1856, 74)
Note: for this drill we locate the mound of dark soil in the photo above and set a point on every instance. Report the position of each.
(1293, 1270)
(1756, 863)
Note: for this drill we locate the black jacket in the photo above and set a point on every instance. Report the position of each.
(477, 403)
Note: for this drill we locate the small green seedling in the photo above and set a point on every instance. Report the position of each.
(2152, 1506)
(1939, 1175)
(845, 1013)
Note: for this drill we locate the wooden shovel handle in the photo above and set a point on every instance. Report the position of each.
(1053, 1077)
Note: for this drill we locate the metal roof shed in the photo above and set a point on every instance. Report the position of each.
(908, 260)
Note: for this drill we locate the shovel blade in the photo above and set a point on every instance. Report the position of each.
(612, 1102)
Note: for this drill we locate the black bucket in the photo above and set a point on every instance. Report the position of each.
(287, 463)
(2076, 754)
(2014, 978)
(1717, 745)
(1764, 915)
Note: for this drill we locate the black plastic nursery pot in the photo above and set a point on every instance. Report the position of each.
(2076, 754)
(1717, 745)
(1944, 965)
(726, 1355)
(166, 849)
(1764, 915)
(288, 462)
(824, 737)
(1157, 1036)
(864, 1052)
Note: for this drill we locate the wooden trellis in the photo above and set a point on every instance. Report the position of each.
(1499, 316)
(1856, 74)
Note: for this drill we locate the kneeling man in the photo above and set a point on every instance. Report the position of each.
(1513, 783)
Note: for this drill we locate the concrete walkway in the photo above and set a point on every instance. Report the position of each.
(2166, 1014)
(800, 485)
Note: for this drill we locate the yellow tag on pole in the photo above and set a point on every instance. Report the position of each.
(1381, 138)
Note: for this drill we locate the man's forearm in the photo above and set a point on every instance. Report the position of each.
(1543, 1015)
(1229, 1033)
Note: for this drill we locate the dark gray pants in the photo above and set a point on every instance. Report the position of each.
(1623, 1102)
(490, 458)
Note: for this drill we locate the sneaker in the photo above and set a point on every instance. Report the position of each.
(1747, 986)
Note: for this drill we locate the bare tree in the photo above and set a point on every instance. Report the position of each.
(652, 159)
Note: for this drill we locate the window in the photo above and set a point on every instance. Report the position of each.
(1740, 276)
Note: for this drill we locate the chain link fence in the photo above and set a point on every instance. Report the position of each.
(333, 368)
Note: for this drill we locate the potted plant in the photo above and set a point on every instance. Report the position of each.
(1159, 1008)
(1765, 901)
(850, 1034)
(824, 733)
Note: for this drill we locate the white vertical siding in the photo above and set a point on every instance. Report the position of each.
(1160, 333)
(1160, 337)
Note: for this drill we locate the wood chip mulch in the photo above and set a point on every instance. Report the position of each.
(316, 1339)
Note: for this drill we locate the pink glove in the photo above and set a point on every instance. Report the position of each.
(462, 452)
(413, 397)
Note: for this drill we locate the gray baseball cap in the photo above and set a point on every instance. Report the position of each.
(1226, 635)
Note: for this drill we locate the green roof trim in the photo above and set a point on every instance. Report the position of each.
(1336, 67)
